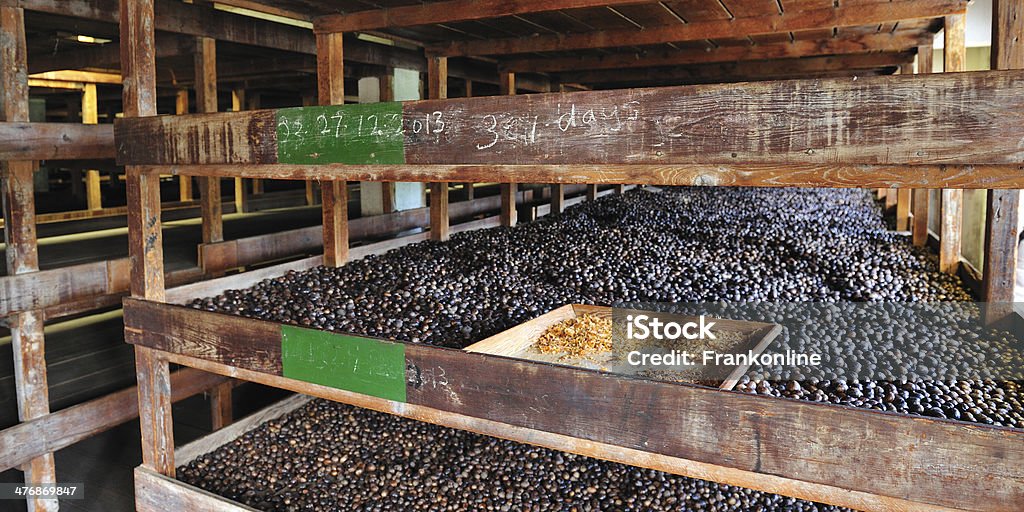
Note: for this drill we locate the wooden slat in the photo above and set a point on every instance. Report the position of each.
(55, 141)
(745, 71)
(68, 426)
(887, 42)
(158, 493)
(764, 437)
(964, 118)
(450, 11)
(41, 289)
(1003, 212)
(845, 15)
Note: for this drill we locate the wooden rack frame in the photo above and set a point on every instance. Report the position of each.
(924, 131)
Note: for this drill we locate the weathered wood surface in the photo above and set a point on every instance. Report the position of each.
(451, 11)
(845, 15)
(1003, 212)
(509, 215)
(920, 228)
(804, 442)
(22, 249)
(55, 141)
(63, 428)
(836, 66)
(155, 492)
(952, 204)
(862, 43)
(749, 175)
(965, 118)
(42, 289)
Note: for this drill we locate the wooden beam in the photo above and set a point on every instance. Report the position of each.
(845, 15)
(90, 115)
(205, 64)
(845, 65)
(759, 445)
(86, 77)
(922, 197)
(55, 141)
(999, 273)
(903, 197)
(952, 205)
(241, 192)
(450, 11)
(509, 212)
(800, 48)
(184, 182)
(68, 426)
(591, 192)
(437, 89)
(22, 250)
(557, 198)
(145, 239)
(331, 89)
(938, 119)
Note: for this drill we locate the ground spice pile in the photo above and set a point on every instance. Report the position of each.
(581, 336)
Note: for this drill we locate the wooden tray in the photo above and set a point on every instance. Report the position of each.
(518, 341)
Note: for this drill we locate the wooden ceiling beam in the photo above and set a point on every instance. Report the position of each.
(796, 20)
(767, 69)
(800, 48)
(104, 56)
(452, 11)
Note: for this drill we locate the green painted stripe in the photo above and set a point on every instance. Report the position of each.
(367, 133)
(362, 365)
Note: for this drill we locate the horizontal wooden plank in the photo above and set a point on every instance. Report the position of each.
(738, 175)
(799, 48)
(932, 462)
(846, 14)
(158, 493)
(450, 11)
(63, 428)
(55, 141)
(950, 118)
(762, 482)
(46, 288)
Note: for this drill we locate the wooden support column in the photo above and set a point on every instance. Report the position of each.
(253, 102)
(620, 189)
(206, 102)
(241, 194)
(91, 115)
(437, 88)
(145, 240)
(312, 197)
(1001, 219)
(951, 220)
(509, 215)
(184, 182)
(331, 88)
(922, 196)
(388, 189)
(22, 248)
(557, 198)
(591, 192)
(901, 197)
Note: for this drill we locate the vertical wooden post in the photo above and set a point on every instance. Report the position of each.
(145, 241)
(921, 195)
(591, 192)
(91, 115)
(437, 88)
(557, 198)
(1001, 219)
(241, 194)
(184, 182)
(331, 88)
(387, 93)
(22, 248)
(253, 102)
(206, 102)
(951, 221)
(509, 215)
(901, 197)
(312, 197)
(620, 189)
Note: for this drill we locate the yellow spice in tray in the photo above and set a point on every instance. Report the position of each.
(581, 336)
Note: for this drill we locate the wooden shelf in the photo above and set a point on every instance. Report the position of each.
(803, 449)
